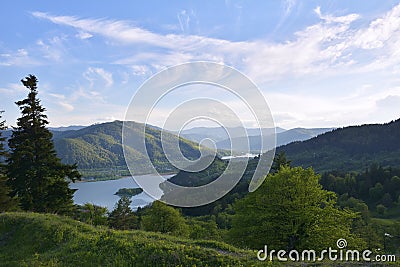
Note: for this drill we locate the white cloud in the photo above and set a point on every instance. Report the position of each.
(52, 49)
(92, 74)
(288, 6)
(140, 70)
(66, 106)
(332, 19)
(333, 46)
(389, 102)
(13, 88)
(380, 31)
(259, 58)
(61, 101)
(21, 57)
(184, 20)
(83, 35)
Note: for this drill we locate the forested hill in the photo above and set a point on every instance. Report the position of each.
(348, 149)
(99, 146)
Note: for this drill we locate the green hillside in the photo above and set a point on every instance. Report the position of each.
(99, 147)
(31, 239)
(348, 149)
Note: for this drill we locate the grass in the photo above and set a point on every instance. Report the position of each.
(31, 239)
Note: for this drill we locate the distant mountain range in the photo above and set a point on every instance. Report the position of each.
(223, 141)
(67, 128)
(352, 148)
(220, 134)
(282, 138)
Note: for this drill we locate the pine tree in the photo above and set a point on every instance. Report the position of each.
(122, 217)
(280, 160)
(36, 175)
(7, 203)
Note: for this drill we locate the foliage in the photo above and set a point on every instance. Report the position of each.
(280, 160)
(164, 219)
(386, 233)
(348, 149)
(378, 187)
(128, 192)
(3, 153)
(209, 174)
(123, 217)
(35, 173)
(92, 214)
(30, 239)
(290, 211)
(7, 203)
(99, 146)
(203, 229)
(222, 205)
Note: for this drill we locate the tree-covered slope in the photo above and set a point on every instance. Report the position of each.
(30, 239)
(99, 146)
(348, 149)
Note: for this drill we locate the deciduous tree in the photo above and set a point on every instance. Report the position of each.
(164, 219)
(289, 211)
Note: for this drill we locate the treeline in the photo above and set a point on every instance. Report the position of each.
(348, 149)
(156, 217)
(291, 210)
(239, 209)
(378, 187)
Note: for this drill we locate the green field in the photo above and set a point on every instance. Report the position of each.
(31, 239)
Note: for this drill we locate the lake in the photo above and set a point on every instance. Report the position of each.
(102, 193)
(245, 156)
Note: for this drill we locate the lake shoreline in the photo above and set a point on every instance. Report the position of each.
(121, 177)
(102, 193)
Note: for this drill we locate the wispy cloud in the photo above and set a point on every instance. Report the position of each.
(333, 19)
(52, 49)
(61, 101)
(335, 45)
(184, 20)
(13, 88)
(326, 45)
(21, 57)
(83, 35)
(92, 74)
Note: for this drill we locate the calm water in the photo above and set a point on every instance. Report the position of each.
(102, 193)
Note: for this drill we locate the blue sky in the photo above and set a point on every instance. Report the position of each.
(318, 63)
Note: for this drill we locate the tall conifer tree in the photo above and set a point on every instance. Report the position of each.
(36, 174)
